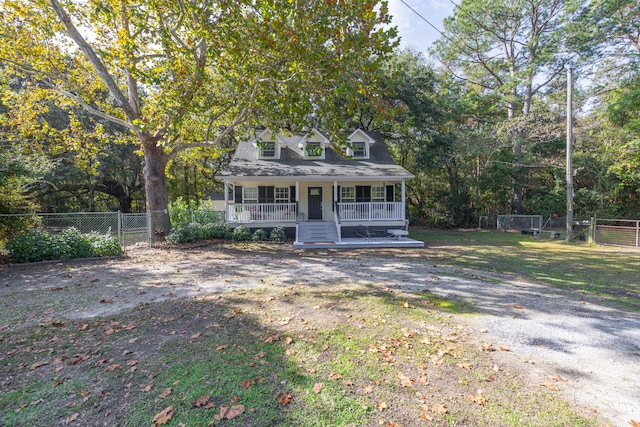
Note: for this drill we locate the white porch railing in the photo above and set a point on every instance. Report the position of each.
(262, 212)
(371, 211)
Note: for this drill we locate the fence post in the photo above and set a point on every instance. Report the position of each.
(637, 234)
(149, 230)
(120, 230)
(592, 230)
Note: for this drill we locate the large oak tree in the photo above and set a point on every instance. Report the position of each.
(180, 74)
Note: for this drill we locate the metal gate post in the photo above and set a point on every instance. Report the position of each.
(149, 230)
(120, 230)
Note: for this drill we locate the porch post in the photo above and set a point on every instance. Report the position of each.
(404, 203)
(297, 200)
(225, 186)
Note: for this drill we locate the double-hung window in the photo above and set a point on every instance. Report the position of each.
(268, 149)
(359, 149)
(282, 195)
(250, 194)
(347, 194)
(378, 194)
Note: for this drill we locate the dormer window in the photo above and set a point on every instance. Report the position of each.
(314, 149)
(359, 149)
(267, 149)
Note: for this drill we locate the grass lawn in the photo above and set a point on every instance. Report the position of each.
(609, 272)
(340, 355)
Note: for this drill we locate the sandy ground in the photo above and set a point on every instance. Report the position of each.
(550, 332)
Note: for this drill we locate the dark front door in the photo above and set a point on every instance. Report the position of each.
(315, 202)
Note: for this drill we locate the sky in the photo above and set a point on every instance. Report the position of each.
(414, 31)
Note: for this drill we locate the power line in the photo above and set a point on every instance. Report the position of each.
(427, 21)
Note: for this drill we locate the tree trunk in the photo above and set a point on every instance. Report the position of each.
(155, 182)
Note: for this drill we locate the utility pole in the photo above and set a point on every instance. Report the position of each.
(569, 166)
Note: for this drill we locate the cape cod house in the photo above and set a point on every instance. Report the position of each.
(320, 197)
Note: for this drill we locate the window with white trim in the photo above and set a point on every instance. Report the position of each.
(282, 194)
(359, 149)
(249, 194)
(267, 149)
(347, 194)
(378, 194)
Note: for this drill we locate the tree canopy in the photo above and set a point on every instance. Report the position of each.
(180, 74)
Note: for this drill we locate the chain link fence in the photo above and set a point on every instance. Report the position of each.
(131, 229)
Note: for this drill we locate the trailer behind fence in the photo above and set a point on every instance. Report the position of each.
(623, 232)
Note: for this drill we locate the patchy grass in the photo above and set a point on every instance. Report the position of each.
(340, 355)
(610, 273)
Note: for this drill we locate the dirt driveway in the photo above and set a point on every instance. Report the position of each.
(595, 349)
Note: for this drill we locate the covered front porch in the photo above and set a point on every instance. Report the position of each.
(323, 211)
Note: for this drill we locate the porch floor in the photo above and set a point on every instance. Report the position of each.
(355, 243)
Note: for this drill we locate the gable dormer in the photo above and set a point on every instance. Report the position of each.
(268, 144)
(313, 145)
(359, 145)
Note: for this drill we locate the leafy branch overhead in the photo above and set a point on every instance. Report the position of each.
(180, 75)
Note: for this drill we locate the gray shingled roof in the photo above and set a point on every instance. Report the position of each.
(245, 163)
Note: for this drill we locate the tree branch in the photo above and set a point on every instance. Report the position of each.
(97, 63)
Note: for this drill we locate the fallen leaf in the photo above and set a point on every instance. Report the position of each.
(201, 401)
(550, 386)
(163, 416)
(559, 379)
(196, 335)
(112, 367)
(229, 413)
(246, 384)
(37, 365)
(106, 300)
(478, 398)
(405, 381)
(439, 409)
(335, 376)
(288, 340)
(368, 389)
(426, 417)
(166, 392)
(504, 349)
(464, 366)
(381, 406)
(318, 387)
(519, 307)
(72, 418)
(270, 339)
(392, 424)
(284, 398)
(147, 388)
(222, 347)
(634, 423)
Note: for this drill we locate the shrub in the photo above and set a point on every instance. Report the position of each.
(278, 235)
(241, 233)
(39, 246)
(195, 231)
(182, 213)
(259, 235)
(218, 230)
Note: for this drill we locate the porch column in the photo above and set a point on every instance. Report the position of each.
(335, 211)
(225, 185)
(297, 201)
(404, 203)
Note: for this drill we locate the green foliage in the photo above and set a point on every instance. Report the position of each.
(278, 235)
(182, 213)
(241, 233)
(195, 231)
(259, 235)
(40, 246)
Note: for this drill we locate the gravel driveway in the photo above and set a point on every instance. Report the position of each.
(550, 332)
